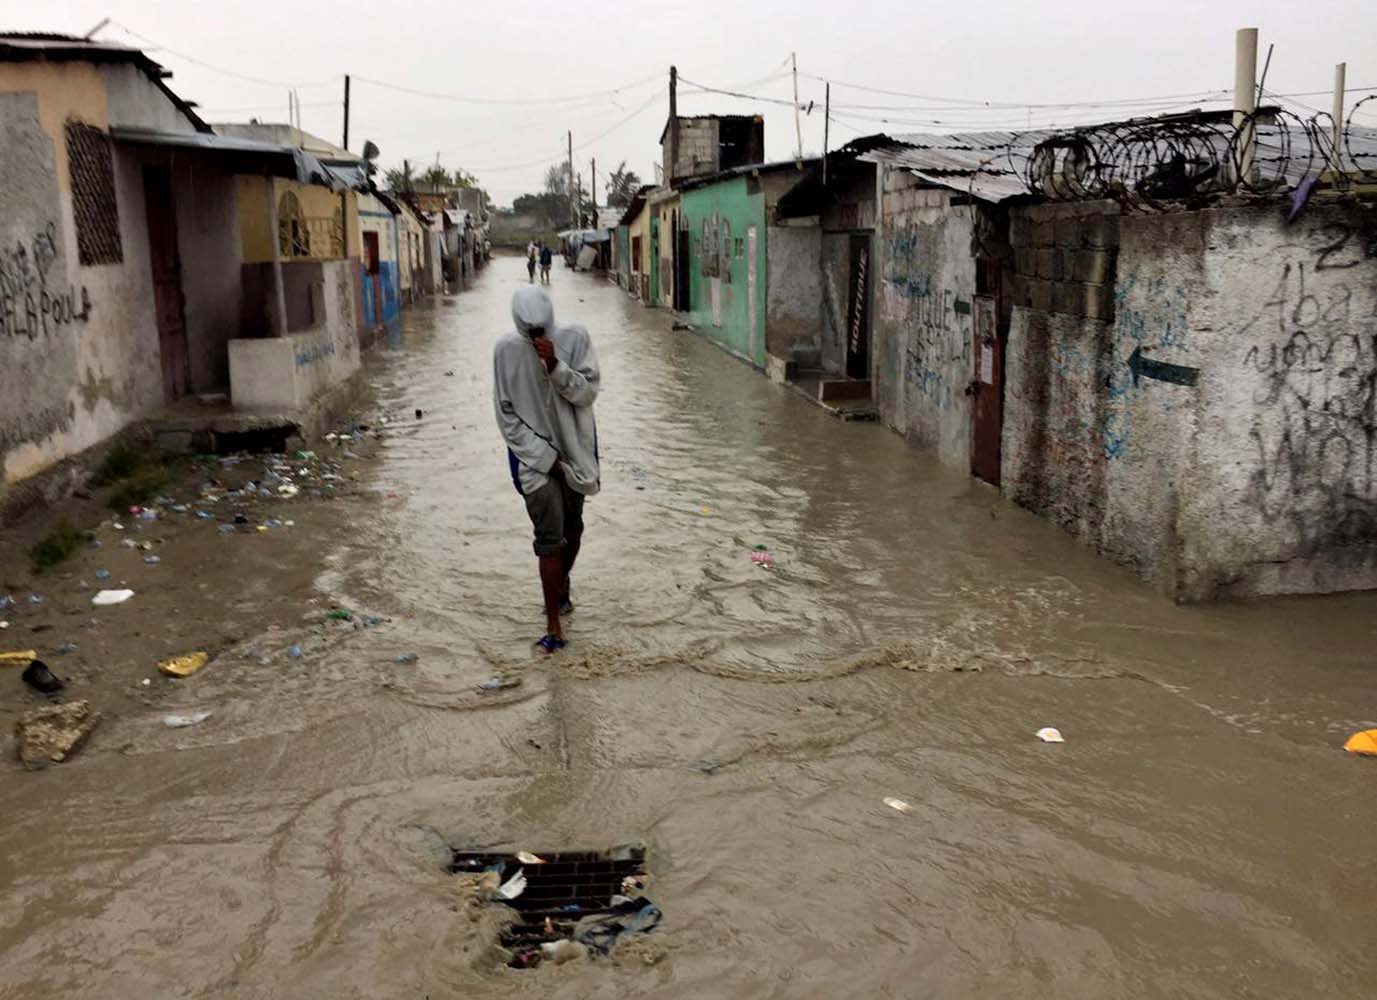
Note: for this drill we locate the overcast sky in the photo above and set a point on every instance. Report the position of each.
(561, 61)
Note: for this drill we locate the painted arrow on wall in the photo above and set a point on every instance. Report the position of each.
(1161, 370)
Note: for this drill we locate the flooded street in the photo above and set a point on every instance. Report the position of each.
(1200, 833)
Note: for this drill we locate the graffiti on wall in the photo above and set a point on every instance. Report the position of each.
(1149, 320)
(1311, 357)
(32, 304)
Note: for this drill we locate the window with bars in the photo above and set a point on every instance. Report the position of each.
(91, 169)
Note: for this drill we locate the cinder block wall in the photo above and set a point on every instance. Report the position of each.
(1194, 394)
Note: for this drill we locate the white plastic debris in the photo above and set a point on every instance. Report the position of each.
(513, 887)
(107, 597)
(1049, 735)
(563, 950)
(147, 682)
(182, 721)
(527, 858)
(898, 804)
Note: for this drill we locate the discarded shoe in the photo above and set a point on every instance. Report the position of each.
(37, 675)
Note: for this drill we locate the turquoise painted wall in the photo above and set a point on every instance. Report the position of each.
(719, 216)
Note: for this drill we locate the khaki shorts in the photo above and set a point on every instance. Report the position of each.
(556, 513)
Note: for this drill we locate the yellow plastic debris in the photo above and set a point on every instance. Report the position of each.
(1363, 743)
(184, 666)
(18, 657)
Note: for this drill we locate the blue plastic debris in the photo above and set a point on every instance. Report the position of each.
(407, 658)
(102, 574)
(294, 652)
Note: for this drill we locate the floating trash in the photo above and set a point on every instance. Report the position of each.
(1050, 735)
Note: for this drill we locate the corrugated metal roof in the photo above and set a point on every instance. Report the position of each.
(992, 166)
(242, 155)
(986, 165)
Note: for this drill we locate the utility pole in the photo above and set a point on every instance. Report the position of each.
(593, 186)
(673, 124)
(1340, 72)
(1245, 99)
(574, 204)
(826, 126)
(346, 110)
(798, 125)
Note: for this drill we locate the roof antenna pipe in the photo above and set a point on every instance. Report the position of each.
(798, 126)
(1245, 97)
(1340, 72)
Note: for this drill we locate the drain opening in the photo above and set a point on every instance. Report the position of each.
(593, 898)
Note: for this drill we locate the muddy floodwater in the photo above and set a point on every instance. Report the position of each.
(1199, 834)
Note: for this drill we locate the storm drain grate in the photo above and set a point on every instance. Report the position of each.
(567, 893)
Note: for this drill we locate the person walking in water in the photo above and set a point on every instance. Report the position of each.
(546, 259)
(530, 261)
(545, 379)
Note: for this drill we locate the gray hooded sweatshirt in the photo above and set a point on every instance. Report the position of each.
(544, 415)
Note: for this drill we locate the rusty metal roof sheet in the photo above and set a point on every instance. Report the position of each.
(985, 165)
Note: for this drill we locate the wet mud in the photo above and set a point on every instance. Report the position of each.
(1200, 833)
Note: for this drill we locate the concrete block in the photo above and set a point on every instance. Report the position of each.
(1044, 233)
(1066, 298)
(51, 734)
(1099, 302)
(1051, 264)
(1040, 295)
(1026, 262)
(1020, 230)
(1068, 232)
(1102, 231)
(1092, 267)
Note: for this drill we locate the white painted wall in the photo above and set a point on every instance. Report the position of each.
(921, 359)
(285, 375)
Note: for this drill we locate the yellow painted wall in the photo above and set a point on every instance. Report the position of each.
(65, 90)
(640, 227)
(318, 206)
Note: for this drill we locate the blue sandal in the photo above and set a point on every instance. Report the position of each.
(551, 644)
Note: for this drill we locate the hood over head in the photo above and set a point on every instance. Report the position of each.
(531, 307)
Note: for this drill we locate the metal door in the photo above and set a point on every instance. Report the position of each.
(858, 310)
(167, 282)
(988, 376)
(752, 317)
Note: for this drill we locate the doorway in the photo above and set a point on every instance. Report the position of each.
(372, 267)
(166, 265)
(858, 310)
(987, 406)
(654, 261)
(681, 267)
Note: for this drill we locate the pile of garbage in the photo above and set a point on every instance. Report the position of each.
(568, 906)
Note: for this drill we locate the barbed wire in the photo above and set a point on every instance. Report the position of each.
(1148, 162)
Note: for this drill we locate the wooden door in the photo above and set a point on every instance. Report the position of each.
(681, 274)
(987, 408)
(167, 282)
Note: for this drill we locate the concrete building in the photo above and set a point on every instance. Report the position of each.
(1188, 390)
(124, 282)
(697, 145)
(725, 219)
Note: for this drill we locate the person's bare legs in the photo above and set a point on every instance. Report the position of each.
(553, 582)
(571, 552)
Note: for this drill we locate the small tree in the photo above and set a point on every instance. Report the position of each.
(622, 185)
